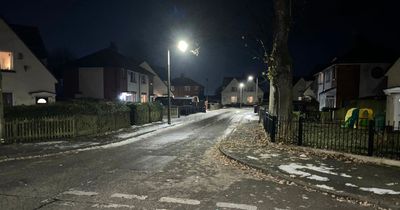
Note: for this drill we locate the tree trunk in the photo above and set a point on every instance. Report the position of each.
(280, 64)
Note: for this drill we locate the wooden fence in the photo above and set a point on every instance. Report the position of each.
(26, 130)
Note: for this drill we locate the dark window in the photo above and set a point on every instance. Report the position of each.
(132, 77)
(234, 89)
(377, 72)
(7, 99)
(144, 79)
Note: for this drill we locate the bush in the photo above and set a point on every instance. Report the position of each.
(64, 108)
(139, 113)
(156, 112)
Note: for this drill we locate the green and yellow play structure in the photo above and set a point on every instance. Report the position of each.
(358, 117)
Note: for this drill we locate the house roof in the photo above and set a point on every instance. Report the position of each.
(184, 81)
(30, 35)
(161, 72)
(110, 57)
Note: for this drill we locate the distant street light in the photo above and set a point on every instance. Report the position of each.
(182, 46)
(251, 78)
(241, 85)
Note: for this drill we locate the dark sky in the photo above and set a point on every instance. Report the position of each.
(321, 30)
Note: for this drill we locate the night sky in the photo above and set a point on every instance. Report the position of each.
(321, 30)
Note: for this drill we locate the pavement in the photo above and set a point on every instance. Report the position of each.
(333, 174)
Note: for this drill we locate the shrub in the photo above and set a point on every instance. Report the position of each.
(64, 108)
(139, 113)
(155, 112)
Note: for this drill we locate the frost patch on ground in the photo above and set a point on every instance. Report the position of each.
(294, 169)
(345, 175)
(78, 192)
(112, 205)
(264, 156)
(325, 187)
(128, 196)
(251, 117)
(391, 184)
(380, 191)
(350, 185)
(251, 157)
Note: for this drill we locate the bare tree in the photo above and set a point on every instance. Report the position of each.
(280, 63)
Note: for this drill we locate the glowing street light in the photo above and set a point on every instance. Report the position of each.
(183, 46)
(241, 86)
(250, 78)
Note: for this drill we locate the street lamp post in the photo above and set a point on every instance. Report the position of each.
(241, 85)
(250, 78)
(182, 46)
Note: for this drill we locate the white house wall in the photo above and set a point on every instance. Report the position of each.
(91, 82)
(393, 75)
(137, 86)
(159, 87)
(227, 93)
(29, 74)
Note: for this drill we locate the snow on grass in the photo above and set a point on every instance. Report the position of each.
(350, 185)
(325, 187)
(380, 191)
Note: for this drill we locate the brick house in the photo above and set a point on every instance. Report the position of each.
(186, 87)
(108, 75)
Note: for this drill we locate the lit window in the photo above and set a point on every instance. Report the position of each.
(187, 88)
(143, 98)
(250, 99)
(6, 60)
(233, 99)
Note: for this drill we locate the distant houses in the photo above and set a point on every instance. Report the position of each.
(232, 94)
(186, 87)
(25, 78)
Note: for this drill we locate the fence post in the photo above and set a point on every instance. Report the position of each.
(300, 132)
(273, 128)
(371, 137)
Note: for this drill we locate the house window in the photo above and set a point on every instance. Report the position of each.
(42, 100)
(233, 99)
(6, 60)
(330, 101)
(320, 78)
(233, 89)
(328, 76)
(144, 79)
(250, 89)
(172, 88)
(250, 99)
(187, 88)
(7, 99)
(143, 98)
(132, 76)
(196, 88)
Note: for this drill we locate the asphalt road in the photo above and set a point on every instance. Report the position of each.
(179, 168)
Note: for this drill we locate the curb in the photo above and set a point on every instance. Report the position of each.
(75, 150)
(306, 184)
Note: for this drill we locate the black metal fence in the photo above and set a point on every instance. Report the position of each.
(364, 139)
(187, 110)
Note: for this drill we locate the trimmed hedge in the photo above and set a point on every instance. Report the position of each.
(142, 113)
(64, 108)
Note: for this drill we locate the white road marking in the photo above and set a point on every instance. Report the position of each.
(78, 192)
(179, 200)
(236, 206)
(128, 196)
(112, 205)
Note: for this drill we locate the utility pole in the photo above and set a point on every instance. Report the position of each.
(1, 110)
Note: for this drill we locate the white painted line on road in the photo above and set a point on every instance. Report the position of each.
(112, 205)
(236, 206)
(179, 200)
(78, 192)
(128, 196)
